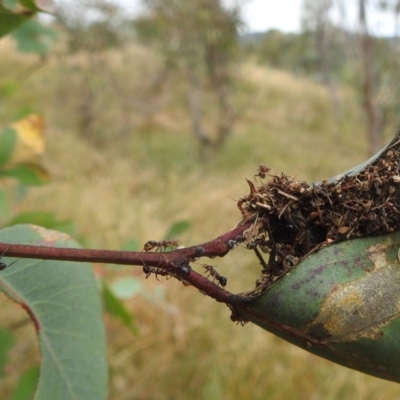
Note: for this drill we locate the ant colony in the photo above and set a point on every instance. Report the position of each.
(164, 245)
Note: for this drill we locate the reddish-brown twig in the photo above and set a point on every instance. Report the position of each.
(174, 262)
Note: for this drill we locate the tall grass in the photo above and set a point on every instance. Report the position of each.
(144, 175)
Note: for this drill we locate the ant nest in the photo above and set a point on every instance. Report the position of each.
(292, 219)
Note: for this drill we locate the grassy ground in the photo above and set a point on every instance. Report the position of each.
(145, 175)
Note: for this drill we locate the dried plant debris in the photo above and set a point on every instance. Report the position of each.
(292, 219)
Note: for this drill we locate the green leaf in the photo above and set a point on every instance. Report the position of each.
(4, 206)
(63, 301)
(44, 219)
(177, 229)
(32, 37)
(8, 88)
(8, 140)
(44, 6)
(23, 112)
(27, 174)
(10, 4)
(30, 5)
(127, 287)
(7, 340)
(116, 307)
(26, 386)
(341, 303)
(9, 20)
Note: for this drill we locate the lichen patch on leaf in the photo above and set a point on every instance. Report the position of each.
(354, 310)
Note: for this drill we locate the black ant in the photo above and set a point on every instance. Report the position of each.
(162, 245)
(3, 266)
(212, 272)
(146, 270)
(156, 271)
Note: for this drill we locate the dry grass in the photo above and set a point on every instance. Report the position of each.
(140, 183)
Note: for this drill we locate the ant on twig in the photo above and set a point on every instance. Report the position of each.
(162, 245)
(212, 272)
(156, 271)
(183, 268)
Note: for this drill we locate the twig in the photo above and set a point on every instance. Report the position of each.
(174, 262)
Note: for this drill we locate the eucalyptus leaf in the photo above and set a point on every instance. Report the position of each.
(10, 20)
(63, 302)
(342, 303)
(33, 37)
(114, 306)
(26, 385)
(27, 174)
(44, 219)
(8, 140)
(177, 229)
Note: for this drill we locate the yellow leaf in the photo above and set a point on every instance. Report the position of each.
(31, 144)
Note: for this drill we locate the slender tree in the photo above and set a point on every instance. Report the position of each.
(200, 39)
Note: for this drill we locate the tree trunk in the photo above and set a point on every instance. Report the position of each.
(371, 108)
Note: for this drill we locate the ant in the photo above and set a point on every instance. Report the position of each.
(262, 170)
(392, 207)
(162, 245)
(147, 270)
(3, 266)
(156, 271)
(212, 272)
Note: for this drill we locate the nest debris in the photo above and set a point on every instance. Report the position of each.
(292, 219)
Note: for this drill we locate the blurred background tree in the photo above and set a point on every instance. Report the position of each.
(334, 52)
(200, 41)
(362, 53)
(200, 45)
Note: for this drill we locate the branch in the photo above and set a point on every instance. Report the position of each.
(174, 263)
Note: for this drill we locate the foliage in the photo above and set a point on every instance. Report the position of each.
(191, 33)
(16, 18)
(298, 52)
(10, 19)
(26, 386)
(91, 26)
(280, 50)
(21, 146)
(32, 37)
(68, 321)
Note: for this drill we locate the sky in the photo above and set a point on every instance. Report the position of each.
(285, 15)
(258, 15)
(261, 15)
